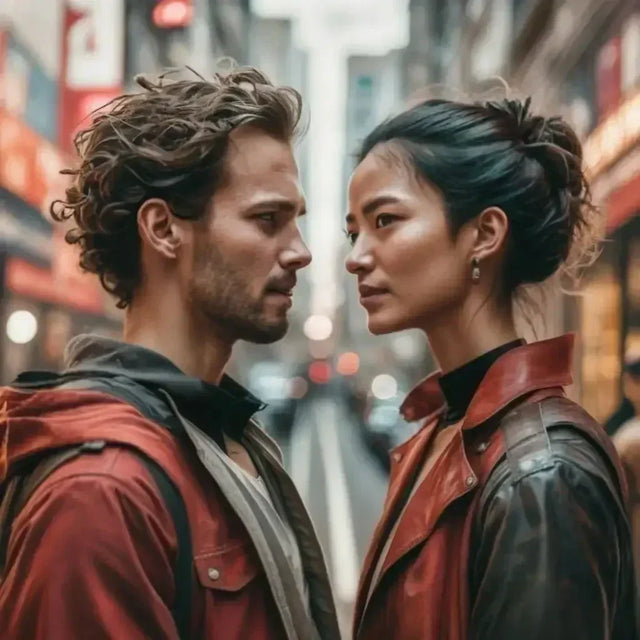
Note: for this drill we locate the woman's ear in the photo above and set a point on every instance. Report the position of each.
(492, 229)
(158, 229)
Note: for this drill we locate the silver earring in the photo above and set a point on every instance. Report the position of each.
(475, 271)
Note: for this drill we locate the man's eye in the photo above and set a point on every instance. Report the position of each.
(384, 220)
(269, 217)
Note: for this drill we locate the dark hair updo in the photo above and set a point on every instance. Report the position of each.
(499, 154)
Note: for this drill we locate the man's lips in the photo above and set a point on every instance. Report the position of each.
(282, 288)
(284, 292)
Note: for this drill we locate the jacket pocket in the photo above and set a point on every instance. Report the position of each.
(229, 568)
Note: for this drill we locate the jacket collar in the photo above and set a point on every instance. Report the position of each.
(227, 406)
(539, 365)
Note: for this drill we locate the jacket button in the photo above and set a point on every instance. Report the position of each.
(470, 481)
(397, 456)
(213, 574)
(482, 447)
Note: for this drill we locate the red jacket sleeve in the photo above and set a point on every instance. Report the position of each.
(91, 555)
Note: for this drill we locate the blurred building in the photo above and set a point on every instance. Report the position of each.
(163, 34)
(44, 299)
(60, 60)
(581, 59)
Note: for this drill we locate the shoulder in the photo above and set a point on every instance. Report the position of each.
(557, 464)
(106, 491)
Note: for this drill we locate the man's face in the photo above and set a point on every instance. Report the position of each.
(247, 250)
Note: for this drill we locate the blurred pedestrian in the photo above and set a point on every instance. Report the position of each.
(141, 500)
(626, 415)
(505, 514)
(626, 438)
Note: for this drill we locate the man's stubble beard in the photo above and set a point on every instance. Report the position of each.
(219, 295)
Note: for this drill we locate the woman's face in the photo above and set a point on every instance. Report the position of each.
(411, 272)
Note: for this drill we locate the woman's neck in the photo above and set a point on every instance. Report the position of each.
(463, 336)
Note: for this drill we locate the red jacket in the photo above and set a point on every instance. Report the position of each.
(464, 566)
(92, 553)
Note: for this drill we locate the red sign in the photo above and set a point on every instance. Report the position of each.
(29, 165)
(92, 62)
(173, 14)
(24, 278)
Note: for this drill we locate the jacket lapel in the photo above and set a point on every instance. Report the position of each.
(450, 478)
(296, 622)
(406, 463)
(320, 593)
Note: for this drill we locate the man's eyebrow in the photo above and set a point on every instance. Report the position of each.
(282, 204)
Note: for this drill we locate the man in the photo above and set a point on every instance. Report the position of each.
(151, 505)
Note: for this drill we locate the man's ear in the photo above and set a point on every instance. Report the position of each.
(492, 229)
(158, 228)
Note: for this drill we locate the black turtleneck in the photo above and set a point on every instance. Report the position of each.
(460, 385)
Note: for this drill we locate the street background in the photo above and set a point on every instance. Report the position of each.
(333, 389)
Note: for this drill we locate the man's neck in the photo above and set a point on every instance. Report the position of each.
(195, 351)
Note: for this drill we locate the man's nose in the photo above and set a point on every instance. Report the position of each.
(296, 255)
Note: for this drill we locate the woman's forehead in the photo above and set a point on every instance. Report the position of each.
(383, 170)
(374, 173)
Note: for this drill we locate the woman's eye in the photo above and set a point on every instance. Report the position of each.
(384, 220)
(352, 236)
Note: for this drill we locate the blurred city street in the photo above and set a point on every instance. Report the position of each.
(332, 388)
(342, 484)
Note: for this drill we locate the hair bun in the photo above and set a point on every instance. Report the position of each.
(550, 141)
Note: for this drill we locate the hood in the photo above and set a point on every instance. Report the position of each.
(40, 410)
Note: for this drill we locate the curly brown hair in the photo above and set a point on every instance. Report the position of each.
(167, 142)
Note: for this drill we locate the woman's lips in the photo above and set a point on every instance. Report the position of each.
(371, 295)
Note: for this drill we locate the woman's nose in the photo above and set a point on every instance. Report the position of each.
(359, 258)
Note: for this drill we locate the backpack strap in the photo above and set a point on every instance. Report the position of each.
(183, 578)
(528, 445)
(21, 486)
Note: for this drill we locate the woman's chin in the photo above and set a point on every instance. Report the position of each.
(378, 325)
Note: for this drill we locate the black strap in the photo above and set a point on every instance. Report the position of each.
(20, 487)
(183, 578)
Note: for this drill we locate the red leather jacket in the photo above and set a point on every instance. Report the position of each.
(480, 553)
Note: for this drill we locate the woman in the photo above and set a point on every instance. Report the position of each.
(504, 517)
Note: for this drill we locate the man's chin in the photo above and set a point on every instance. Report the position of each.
(266, 333)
